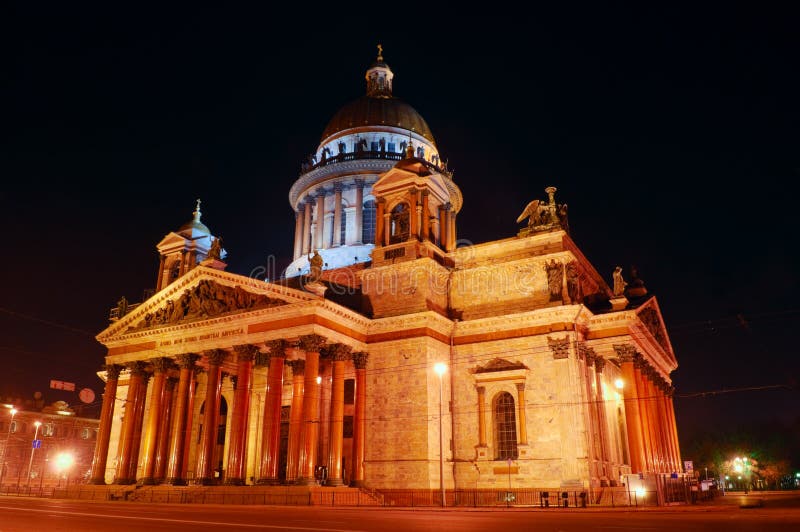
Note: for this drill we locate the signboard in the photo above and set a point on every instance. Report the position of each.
(61, 385)
(37, 444)
(688, 465)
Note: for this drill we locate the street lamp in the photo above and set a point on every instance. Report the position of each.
(13, 412)
(37, 424)
(441, 368)
(64, 462)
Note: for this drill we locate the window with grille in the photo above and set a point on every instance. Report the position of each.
(48, 429)
(343, 228)
(505, 425)
(368, 223)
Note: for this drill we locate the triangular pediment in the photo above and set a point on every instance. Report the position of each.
(203, 294)
(399, 179)
(499, 364)
(650, 316)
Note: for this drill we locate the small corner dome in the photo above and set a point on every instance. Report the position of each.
(194, 227)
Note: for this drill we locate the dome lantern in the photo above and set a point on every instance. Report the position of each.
(379, 78)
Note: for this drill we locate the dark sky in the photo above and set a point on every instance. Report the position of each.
(671, 134)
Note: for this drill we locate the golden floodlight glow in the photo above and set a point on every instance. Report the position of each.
(619, 383)
(64, 460)
(440, 368)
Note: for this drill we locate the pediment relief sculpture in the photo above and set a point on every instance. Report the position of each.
(499, 364)
(205, 300)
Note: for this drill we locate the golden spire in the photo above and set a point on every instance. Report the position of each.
(380, 53)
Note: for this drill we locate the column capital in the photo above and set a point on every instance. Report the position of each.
(360, 359)
(359, 183)
(245, 352)
(112, 371)
(277, 348)
(339, 352)
(586, 352)
(480, 389)
(161, 364)
(599, 364)
(298, 366)
(520, 387)
(137, 368)
(186, 360)
(312, 342)
(338, 187)
(215, 357)
(559, 347)
(625, 352)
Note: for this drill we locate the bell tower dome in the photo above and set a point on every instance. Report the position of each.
(180, 251)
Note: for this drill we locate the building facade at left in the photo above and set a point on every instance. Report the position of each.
(44, 448)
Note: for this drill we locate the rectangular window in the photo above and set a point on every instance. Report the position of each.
(48, 429)
(347, 429)
(374, 146)
(392, 147)
(349, 391)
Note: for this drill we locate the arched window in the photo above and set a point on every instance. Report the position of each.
(368, 223)
(400, 224)
(505, 427)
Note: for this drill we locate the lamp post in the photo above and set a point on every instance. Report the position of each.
(440, 368)
(13, 412)
(37, 424)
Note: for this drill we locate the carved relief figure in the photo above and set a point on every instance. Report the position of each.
(555, 272)
(573, 281)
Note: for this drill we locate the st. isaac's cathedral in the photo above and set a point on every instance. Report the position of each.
(386, 356)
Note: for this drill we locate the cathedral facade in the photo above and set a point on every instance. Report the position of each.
(387, 357)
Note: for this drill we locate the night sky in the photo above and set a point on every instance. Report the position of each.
(672, 135)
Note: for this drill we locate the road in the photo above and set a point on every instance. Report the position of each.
(54, 515)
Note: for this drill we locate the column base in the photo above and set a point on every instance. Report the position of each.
(124, 481)
(98, 481)
(358, 484)
(268, 482)
(234, 482)
(207, 481)
(305, 481)
(150, 481)
(334, 482)
(175, 482)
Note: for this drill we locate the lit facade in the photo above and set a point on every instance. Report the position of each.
(328, 373)
(64, 455)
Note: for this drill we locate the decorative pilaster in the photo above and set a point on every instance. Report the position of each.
(271, 427)
(380, 208)
(208, 441)
(426, 230)
(160, 368)
(481, 415)
(523, 430)
(359, 420)
(235, 473)
(100, 459)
